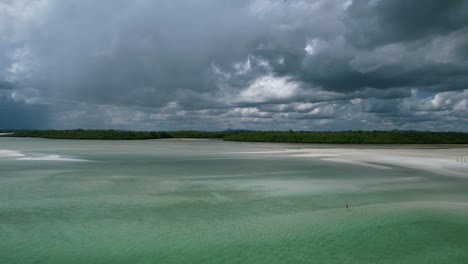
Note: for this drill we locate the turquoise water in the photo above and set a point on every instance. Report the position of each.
(209, 201)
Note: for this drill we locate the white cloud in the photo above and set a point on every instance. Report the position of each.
(247, 112)
(347, 4)
(312, 46)
(269, 87)
(242, 67)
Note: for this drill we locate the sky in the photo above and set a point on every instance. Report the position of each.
(234, 64)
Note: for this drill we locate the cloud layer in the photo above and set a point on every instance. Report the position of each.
(255, 64)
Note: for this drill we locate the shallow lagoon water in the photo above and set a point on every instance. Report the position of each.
(209, 201)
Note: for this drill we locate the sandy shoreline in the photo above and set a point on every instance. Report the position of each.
(18, 155)
(442, 161)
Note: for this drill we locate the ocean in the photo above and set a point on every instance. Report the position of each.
(211, 201)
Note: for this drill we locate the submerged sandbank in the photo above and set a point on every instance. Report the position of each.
(18, 155)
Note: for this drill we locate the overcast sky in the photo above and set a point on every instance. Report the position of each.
(218, 64)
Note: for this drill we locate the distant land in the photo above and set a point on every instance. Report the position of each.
(328, 137)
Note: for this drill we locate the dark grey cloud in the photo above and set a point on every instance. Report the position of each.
(258, 64)
(379, 22)
(23, 117)
(15, 114)
(6, 85)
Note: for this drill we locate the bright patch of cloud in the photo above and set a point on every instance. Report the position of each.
(268, 88)
(311, 47)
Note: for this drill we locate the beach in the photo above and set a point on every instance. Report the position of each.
(442, 161)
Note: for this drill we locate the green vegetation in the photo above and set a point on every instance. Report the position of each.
(113, 134)
(89, 134)
(198, 134)
(341, 137)
(353, 137)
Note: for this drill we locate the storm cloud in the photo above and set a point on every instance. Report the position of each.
(253, 64)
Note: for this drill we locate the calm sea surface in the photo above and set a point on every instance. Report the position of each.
(209, 201)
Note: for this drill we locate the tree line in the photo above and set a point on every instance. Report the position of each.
(329, 137)
(113, 134)
(352, 137)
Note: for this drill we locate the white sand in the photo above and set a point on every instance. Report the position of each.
(10, 153)
(5, 153)
(441, 161)
(356, 162)
(188, 139)
(50, 158)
